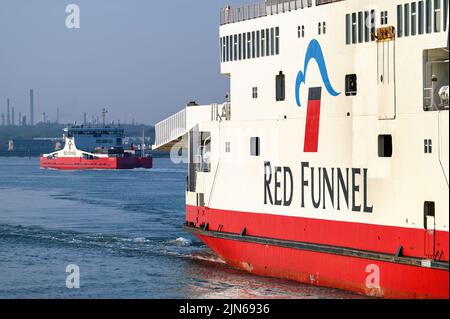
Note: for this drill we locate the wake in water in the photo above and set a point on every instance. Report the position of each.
(141, 246)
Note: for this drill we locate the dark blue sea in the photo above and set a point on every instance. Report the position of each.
(122, 229)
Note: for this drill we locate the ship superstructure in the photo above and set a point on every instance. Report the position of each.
(328, 163)
(95, 147)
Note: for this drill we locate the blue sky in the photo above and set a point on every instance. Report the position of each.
(140, 59)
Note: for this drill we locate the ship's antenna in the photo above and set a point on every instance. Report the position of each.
(104, 111)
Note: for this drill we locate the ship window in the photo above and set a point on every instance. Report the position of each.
(253, 45)
(255, 146)
(249, 45)
(428, 16)
(366, 26)
(399, 21)
(230, 40)
(319, 28)
(227, 44)
(324, 26)
(360, 26)
(372, 24)
(421, 25)
(384, 145)
(407, 19)
(227, 147)
(263, 38)
(437, 15)
(205, 152)
(353, 28)
(221, 52)
(240, 47)
(223, 49)
(267, 42)
(435, 79)
(272, 41)
(299, 32)
(428, 211)
(303, 31)
(258, 42)
(244, 51)
(445, 14)
(384, 17)
(235, 48)
(428, 146)
(277, 40)
(413, 18)
(347, 28)
(351, 86)
(280, 87)
(255, 92)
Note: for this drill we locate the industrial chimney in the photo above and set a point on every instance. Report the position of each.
(8, 114)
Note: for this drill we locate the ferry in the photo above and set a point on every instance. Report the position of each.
(90, 147)
(328, 161)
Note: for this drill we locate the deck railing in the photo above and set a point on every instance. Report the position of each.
(231, 14)
(170, 129)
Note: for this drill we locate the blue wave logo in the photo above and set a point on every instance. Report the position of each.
(314, 51)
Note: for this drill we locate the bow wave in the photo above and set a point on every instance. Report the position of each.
(314, 51)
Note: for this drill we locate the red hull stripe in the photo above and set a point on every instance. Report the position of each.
(312, 121)
(76, 163)
(365, 237)
(340, 251)
(373, 278)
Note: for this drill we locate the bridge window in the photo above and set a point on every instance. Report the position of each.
(413, 18)
(240, 47)
(277, 40)
(372, 25)
(253, 45)
(272, 41)
(347, 29)
(360, 26)
(258, 43)
(354, 27)
(421, 14)
(263, 43)
(280, 87)
(244, 46)
(399, 21)
(445, 14)
(366, 26)
(249, 45)
(437, 15)
(428, 16)
(407, 19)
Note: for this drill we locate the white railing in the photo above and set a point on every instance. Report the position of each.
(264, 8)
(170, 129)
(230, 14)
(178, 124)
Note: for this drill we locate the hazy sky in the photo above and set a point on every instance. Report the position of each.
(140, 59)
